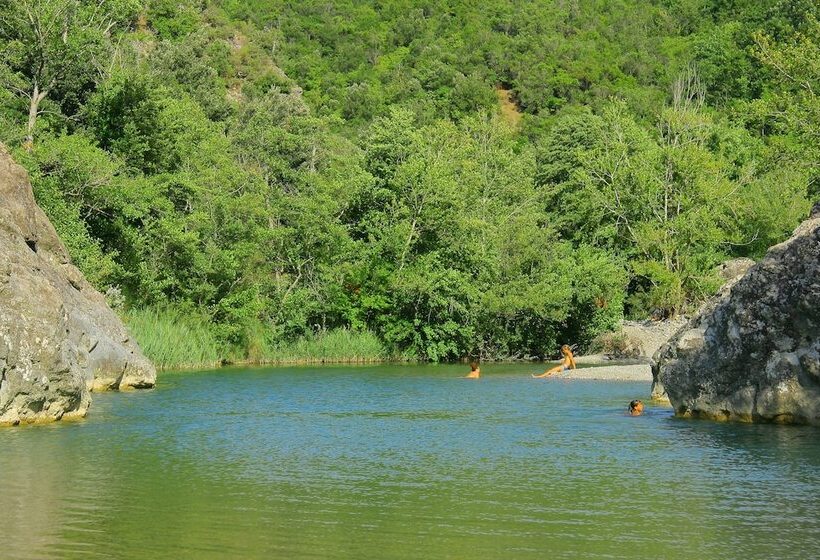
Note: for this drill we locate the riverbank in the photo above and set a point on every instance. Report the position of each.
(593, 368)
(617, 372)
(177, 341)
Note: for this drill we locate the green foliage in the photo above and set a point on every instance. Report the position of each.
(461, 259)
(277, 180)
(174, 19)
(125, 116)
(791, 106)
(725, 64)
(197, 66)
(668, 201)
(173, 339)
(52, 48)
(72, 181)
(338, 345)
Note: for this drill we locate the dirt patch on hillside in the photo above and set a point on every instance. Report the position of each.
(509, 109)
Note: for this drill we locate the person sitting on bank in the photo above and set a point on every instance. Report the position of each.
(636, 408)
(475, 371)
(566, 363)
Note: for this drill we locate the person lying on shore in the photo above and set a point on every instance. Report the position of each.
(566, 363)
(635, 408)
(475, 371)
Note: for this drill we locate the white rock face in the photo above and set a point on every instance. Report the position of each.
(59, 340)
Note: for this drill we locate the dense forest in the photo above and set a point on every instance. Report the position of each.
(424, 179)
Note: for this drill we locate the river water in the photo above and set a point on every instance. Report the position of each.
(402, 462)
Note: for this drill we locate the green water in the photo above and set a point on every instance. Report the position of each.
(402, 462)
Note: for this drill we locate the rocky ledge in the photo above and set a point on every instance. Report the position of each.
(752, 354)
(59, 340)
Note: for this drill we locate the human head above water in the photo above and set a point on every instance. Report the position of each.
(636, 407)
(473, 366)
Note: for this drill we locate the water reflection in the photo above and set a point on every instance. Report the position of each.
(403, 462)
(31, 514)
(771, 477)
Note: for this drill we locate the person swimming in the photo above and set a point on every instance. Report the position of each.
(566, 363)
(475, 371)
(635, 408)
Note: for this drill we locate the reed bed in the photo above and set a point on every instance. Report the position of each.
(338, 346)
(174, 340)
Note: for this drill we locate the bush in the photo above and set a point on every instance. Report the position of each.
(617, 345)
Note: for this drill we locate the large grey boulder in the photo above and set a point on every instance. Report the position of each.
(59, 340)
(753, 352)
(729, 272)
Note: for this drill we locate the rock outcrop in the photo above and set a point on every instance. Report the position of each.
(730, 272)
(752, 353)
(59, 340)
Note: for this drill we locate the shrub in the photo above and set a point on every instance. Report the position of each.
(617, 345)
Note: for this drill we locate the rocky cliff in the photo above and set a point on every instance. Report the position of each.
(753, 352)
(730, 272)
(59, 340)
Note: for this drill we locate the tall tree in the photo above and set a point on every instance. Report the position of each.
(56, 46)
(793, 106)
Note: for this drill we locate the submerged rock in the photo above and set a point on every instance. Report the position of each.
(59, 340)
(753, 352)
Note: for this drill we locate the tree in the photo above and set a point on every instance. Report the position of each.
(56, 45)
(793, 107)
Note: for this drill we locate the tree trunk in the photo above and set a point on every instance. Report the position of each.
(33, 110)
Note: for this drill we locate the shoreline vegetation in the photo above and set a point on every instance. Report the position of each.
(176, 341)
(361, 181)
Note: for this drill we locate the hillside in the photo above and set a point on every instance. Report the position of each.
(265, 173)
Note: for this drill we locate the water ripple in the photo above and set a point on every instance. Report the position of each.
(402, 462)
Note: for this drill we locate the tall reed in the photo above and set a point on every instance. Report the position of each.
(338, 345)
(172, 339)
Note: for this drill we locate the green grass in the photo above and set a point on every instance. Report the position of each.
(338, 345)
(173, 340)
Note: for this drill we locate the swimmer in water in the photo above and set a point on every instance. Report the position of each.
(475, 371)
(635, 408)
(567, 363)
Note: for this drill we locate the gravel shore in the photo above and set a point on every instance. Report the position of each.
(620, 372)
